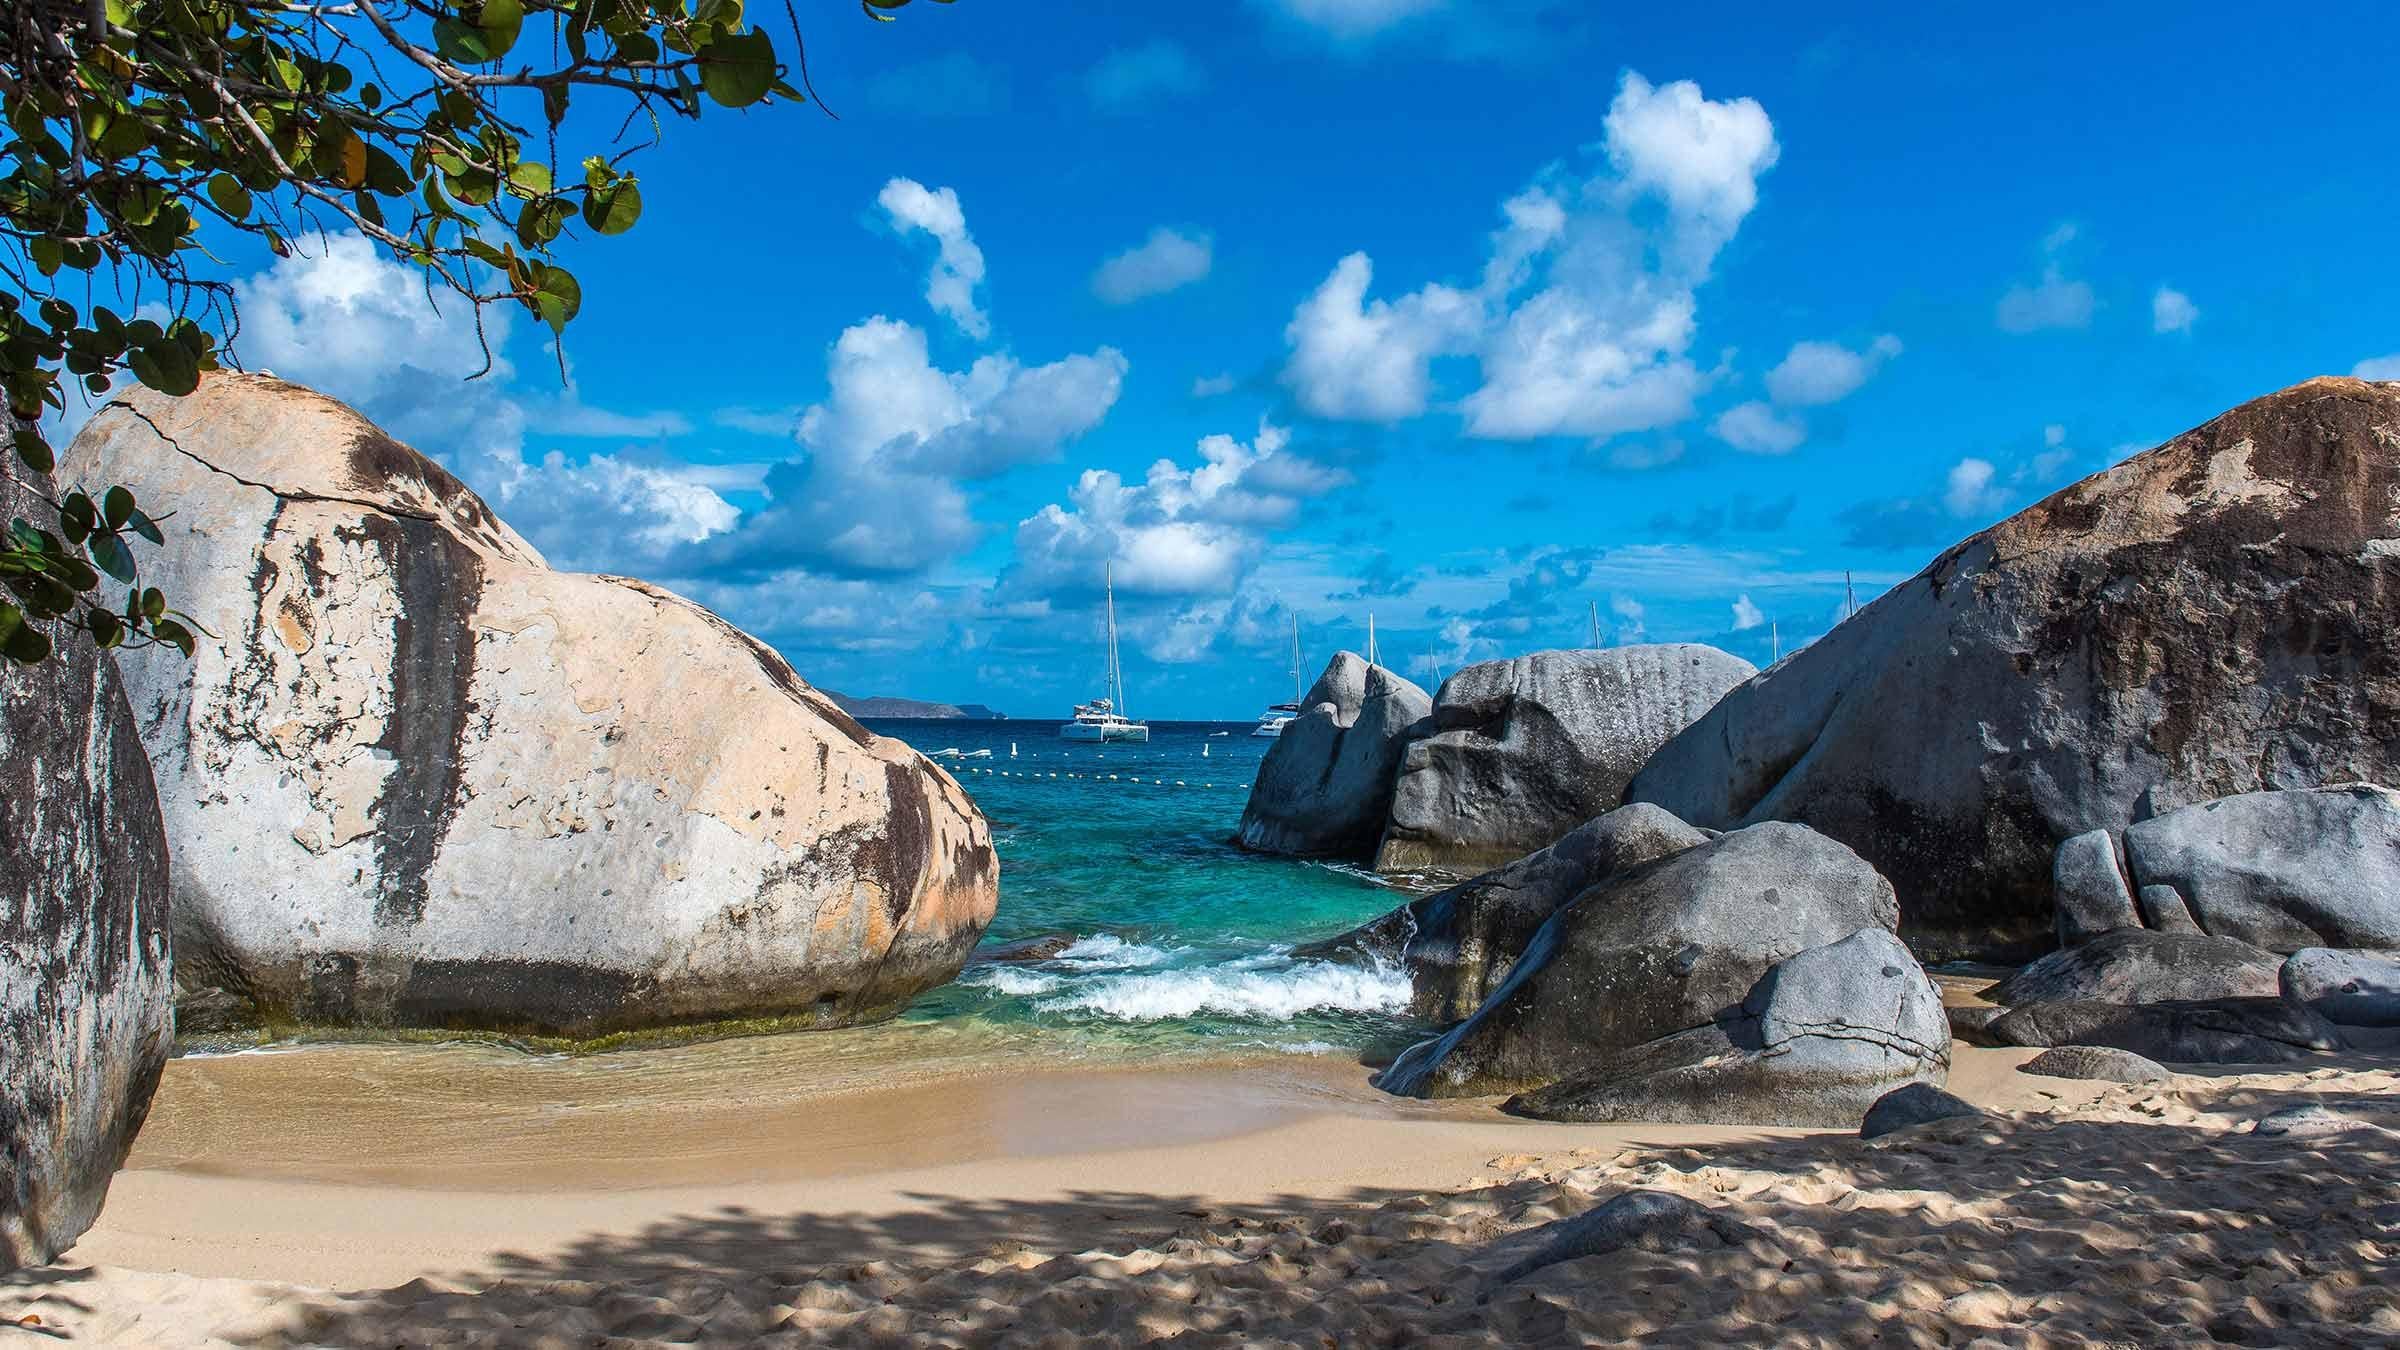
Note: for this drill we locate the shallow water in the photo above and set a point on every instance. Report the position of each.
(1184, 941)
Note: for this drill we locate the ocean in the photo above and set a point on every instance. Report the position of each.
(1183, 942)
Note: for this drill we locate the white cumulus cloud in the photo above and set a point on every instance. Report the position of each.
(1583, 317)
(1813, 374)
(1758, 429)
(2377, 368)
(1746, 615)
(1180, 531)
(958, 263)
(2171, 311)
(1168, 259)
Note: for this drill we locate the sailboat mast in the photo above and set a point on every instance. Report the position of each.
(1595, 624)
(1116, 674)
(1371, 638)
(1296, 690)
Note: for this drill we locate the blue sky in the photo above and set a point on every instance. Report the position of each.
(1474, 315)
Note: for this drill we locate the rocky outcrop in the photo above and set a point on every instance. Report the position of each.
(2095, 1063)
(420, 779)
(1458, 944)
(1751, 978)
(1524, 750)
(2133, 965)
(2277, 870)
(84, 983)
(2215, 1031)
(2347, 988)
(1325, 786)
(2210, 617)
(1820, 1039)
(1913, 1104)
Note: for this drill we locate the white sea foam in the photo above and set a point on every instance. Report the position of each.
(1248, 988)
(1107, 949)
(1012, 981)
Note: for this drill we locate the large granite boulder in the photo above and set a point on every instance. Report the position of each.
(1820, 1040)
(2347, 988)
(2278, 870)
(1659, 950)
(1460, 943)
(84, 982)
(2134, 965)
(420, 779)
(1325, 786)
(2213, 616)
(2207, 1031)
(1522, 751)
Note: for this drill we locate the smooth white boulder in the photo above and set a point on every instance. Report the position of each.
(417, 778)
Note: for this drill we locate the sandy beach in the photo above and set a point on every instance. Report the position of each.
(453, 1195)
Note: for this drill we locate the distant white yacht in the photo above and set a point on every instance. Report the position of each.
(1280, 715)
(1103, 719)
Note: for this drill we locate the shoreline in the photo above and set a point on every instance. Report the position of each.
(1039, 1206)
(366, 1165)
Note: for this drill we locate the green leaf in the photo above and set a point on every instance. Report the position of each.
(47, 253)
(34, 452)
(167, 367)
(143, 525)
(738, 69)
(173, 634)
(10, 618)
(529, 178)
(229, 195)
(613, 209)
(26, 646)
(500, 21)
(116, 506)
(113, 557)
(154, 604)
(461, 42)
(107, 629)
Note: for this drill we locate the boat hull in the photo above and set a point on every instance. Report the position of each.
(1084, 731)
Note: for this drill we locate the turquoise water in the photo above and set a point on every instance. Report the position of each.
(1183, 940)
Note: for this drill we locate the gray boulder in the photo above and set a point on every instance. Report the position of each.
(2133, 965)
(2088, 880)
(421, 779)
(2217, 1031)
(1460, 943)
(1649, 1221)
(2210, 617)
(1913, 1104)
(1524, 750)
(2308, 1119)
(2347, 988)
(1822, 1038)
(1325, 786)
(2280, 870)
(84, 974)
(1658, 950)
(2096, 1063)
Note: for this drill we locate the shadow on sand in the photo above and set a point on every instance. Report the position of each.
(2158, 1217)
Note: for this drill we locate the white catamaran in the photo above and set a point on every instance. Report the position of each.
(1104, 719)
(1280, 715)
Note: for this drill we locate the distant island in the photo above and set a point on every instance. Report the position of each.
(909, 707)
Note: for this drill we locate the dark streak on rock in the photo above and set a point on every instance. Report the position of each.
(907, 847)
(436, 579)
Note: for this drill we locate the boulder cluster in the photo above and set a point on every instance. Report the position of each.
(1509, 757)
(2137, 727)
